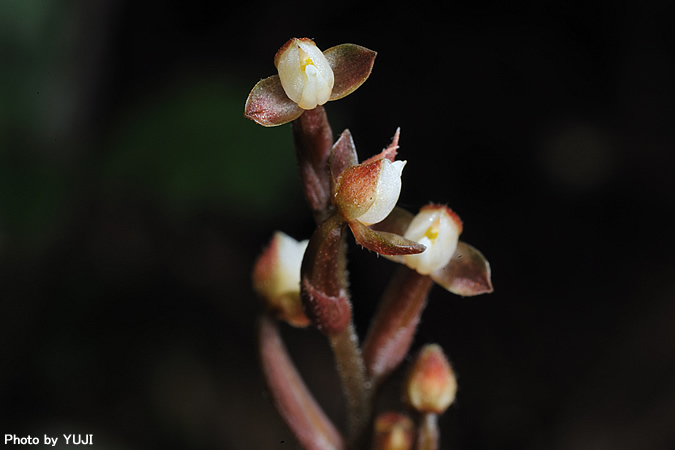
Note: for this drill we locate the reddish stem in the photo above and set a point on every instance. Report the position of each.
(393, 328)
(295, 403)
(313, 143)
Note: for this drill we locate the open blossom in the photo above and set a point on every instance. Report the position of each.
(438, 228)
(305, 73)
(365, 194)
(306, 79)
(452, 264)
(276, 278)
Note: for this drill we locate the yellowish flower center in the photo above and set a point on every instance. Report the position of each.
(305, 60)
(432, 231)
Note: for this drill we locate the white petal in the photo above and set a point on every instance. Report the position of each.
(290, 253)
(305, 74)
(290, 73)
(435, 229)
(386, 193)
(315, 91)
(319, 61)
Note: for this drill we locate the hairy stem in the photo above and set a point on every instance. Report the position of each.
(393, 328)
(313, 142)
(356, 386)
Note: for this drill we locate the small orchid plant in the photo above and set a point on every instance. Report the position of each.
(306, 283)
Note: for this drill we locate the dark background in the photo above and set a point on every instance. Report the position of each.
(134, 198)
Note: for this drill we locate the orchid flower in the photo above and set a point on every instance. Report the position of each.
(451, 263)
(365, 194)
(306, 79)
(276, 278)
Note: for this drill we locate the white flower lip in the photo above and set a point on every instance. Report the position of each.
(305, 73)
(290, 251)
(437, 228)
(386, 193)
(277, 271)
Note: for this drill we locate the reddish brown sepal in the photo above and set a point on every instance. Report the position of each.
(467, 274)
(384, 243)
(352, 65)
(396, 222)
(269, 106)
(355, 189)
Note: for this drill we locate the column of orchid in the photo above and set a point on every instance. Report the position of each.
(305, 283)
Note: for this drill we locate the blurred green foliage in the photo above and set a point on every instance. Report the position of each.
(182, 146)
(190, 147)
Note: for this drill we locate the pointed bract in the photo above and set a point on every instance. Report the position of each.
(343, 155)
(323, 285)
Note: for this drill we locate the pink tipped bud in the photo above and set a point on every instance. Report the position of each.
(431, 385)
(393, 431)
(276, 278)
(438, 228)
(368, 192)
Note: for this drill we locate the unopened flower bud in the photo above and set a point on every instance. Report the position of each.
(276, 278)
(368, 192)
(438, 228)
(431, 385)
(393, 431)
(305, 73)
